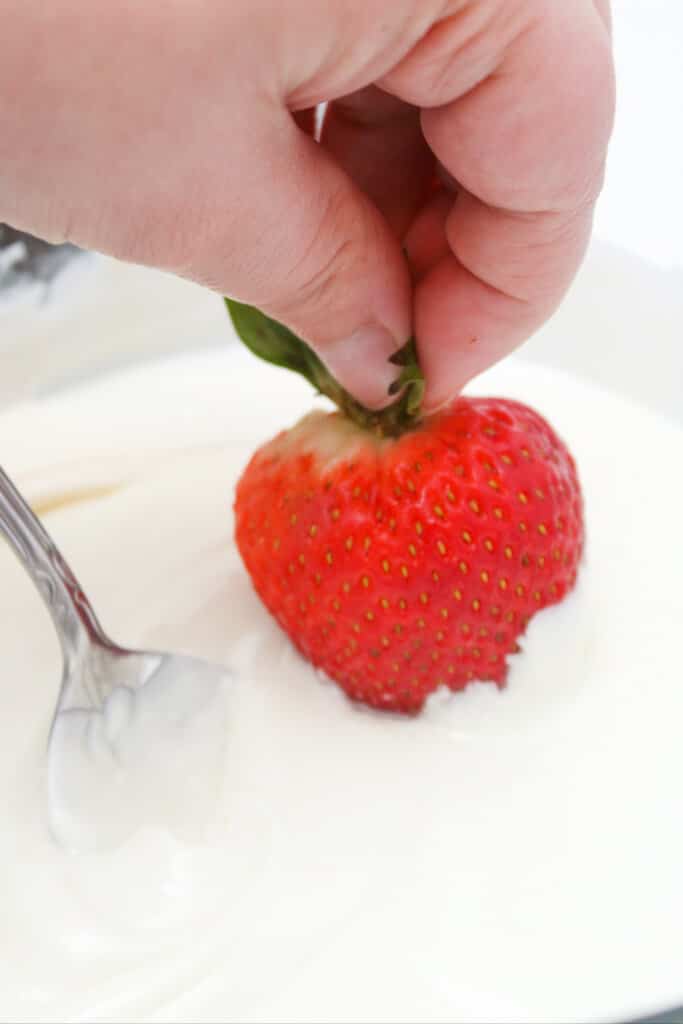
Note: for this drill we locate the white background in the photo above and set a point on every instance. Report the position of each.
(641, 208)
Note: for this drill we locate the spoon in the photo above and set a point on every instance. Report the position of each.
(137, 737)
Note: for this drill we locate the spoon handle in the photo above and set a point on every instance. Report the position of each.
(74, 619)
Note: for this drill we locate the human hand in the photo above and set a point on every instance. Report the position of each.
(178, 135)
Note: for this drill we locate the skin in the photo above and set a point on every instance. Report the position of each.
(469, 136)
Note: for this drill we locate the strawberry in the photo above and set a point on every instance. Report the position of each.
(401, 554)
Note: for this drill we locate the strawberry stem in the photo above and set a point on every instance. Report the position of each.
(275, 343)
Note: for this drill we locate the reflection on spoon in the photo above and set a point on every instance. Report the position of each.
(148, 757)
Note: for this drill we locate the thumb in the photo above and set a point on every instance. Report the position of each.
(316, 254)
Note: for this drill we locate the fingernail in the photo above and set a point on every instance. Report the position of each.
(433, 406)
(361, 364)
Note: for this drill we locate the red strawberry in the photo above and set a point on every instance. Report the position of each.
(401, 564)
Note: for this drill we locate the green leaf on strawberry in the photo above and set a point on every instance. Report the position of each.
(273, 342)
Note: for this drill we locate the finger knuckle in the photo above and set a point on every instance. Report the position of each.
(312, 281)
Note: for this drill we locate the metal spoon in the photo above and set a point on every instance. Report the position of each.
(95, 669)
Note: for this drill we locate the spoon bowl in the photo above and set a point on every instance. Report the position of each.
(137, 737)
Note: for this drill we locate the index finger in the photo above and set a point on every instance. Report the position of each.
(519, 111)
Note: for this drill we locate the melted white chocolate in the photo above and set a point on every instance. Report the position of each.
(505, 856)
